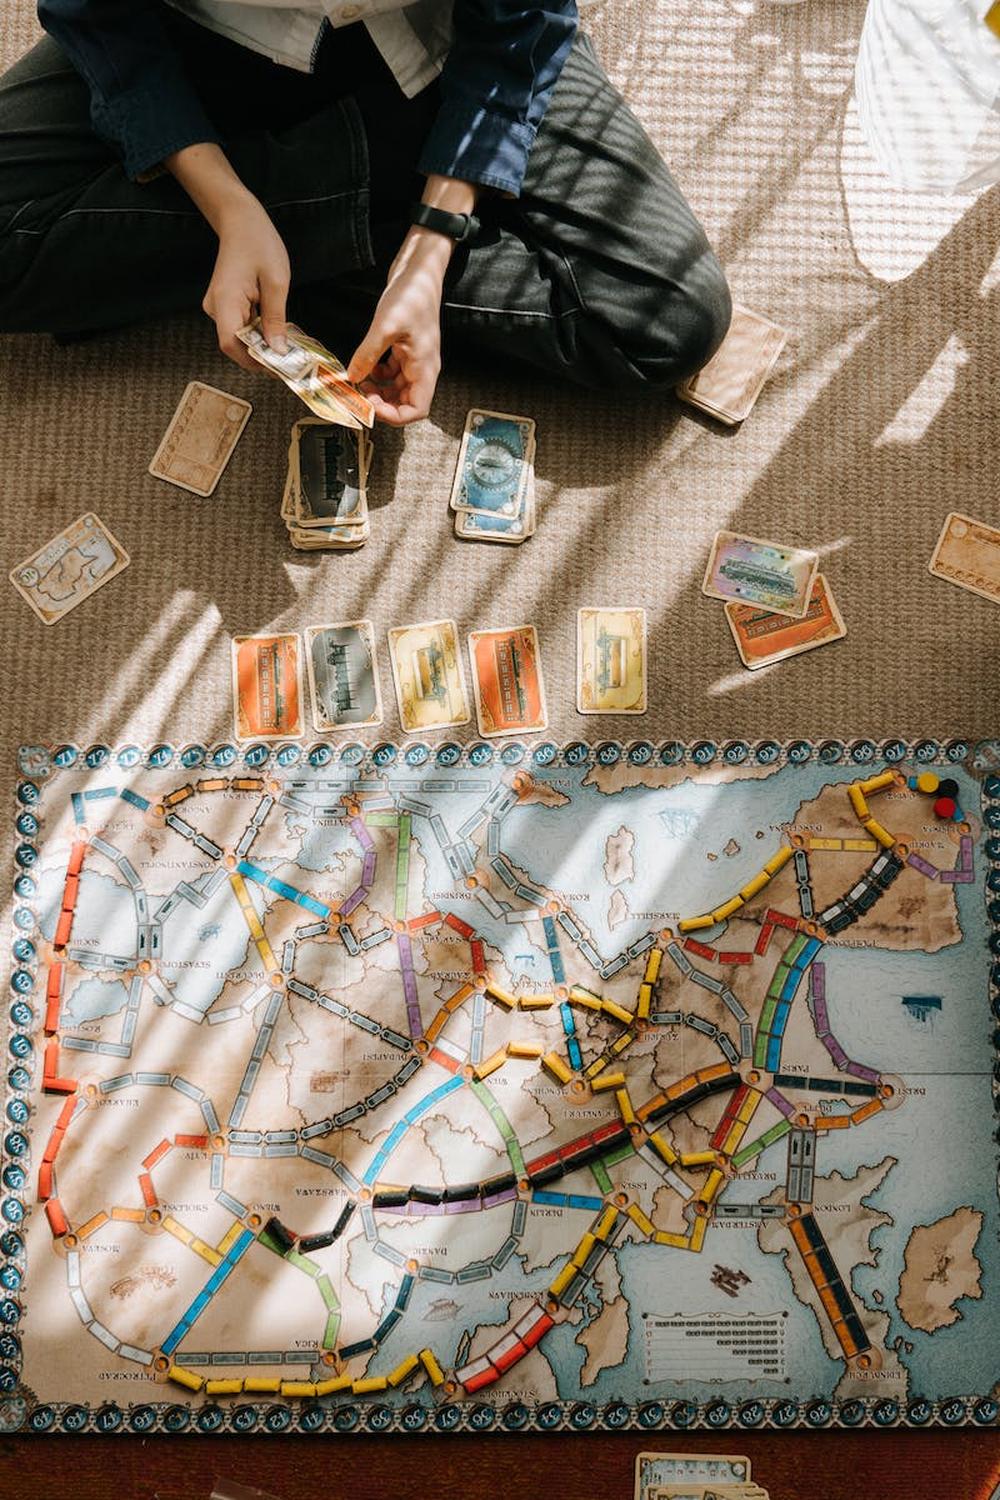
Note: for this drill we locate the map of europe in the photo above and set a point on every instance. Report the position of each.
(392, 1095)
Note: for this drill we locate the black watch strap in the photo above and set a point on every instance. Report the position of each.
(457, 227)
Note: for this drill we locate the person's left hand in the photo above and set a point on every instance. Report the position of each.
(398, 361)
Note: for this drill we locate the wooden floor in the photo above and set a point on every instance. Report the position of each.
(962, 1465)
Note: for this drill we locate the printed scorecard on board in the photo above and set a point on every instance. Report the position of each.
(453, 1086)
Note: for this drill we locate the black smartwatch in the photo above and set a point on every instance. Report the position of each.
(457, 227)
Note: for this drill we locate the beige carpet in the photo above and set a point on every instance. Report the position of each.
(881, 418)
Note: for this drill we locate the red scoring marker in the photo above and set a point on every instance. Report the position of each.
(945, 807)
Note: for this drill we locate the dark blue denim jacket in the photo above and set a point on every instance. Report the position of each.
(504, 61)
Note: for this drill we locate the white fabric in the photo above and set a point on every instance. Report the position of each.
(927, 82)
(413, 45)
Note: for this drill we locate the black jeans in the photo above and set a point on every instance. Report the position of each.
(598, 272)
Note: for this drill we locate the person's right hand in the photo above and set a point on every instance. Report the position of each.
(251, 276)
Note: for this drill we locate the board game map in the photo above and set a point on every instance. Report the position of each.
(413, 1088)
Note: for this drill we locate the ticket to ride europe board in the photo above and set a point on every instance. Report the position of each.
(455, 1087)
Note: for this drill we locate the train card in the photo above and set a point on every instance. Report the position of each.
(267, 687)
(201, 438)
(750, 571)
(728, 386)
(507, 679)
(494, 463)
(968, 553)
(69, 568)
(315, 375)
(427, 675)
(343, 676)
(763, 637)
(611, 661)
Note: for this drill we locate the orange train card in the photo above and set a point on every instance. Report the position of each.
(507, 672)
(762, 637)
(267, 686)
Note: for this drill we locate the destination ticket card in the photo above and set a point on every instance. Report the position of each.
(611, 661)
(69, 568)
(267, 687)
(661, 1469)
(752, 571)
(763, 637)
(343, 675)
(200, 439)
(507, 674)
(968, 554)
(427, 674)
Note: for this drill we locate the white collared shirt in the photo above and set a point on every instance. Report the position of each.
(413, 36)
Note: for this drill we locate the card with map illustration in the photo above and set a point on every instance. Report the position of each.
(611, 661)
(428, 677)
(507, 678)
(297, 1136)
(68, 569)
(267, 686)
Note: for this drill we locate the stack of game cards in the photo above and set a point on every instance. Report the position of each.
(695, 1476)
(493, 494)
(325, 501)
(325, 504)
(777, 603)
(728, 386)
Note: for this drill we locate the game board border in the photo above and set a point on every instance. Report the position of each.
(37, 764)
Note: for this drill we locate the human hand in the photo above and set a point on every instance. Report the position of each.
(251, 275)
(398, 361)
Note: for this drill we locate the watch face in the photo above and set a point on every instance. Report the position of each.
(494, 465)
